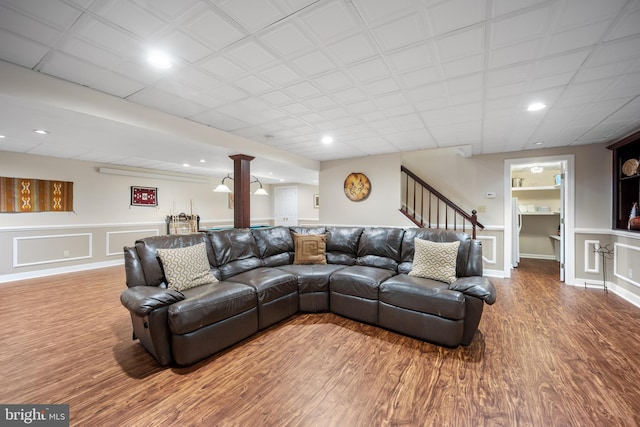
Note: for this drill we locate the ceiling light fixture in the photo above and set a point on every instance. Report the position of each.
(536, 169)
(186, 165)
(536, 106)
(2, 136)
(223, 188)
(327, 139)
(159, 59)
(41, 131)
(203, 161)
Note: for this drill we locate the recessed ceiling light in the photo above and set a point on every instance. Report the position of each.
(203, 161)
(327, 139)
(536, 106)
(537, 143)
(159, 59)
(186, 165)
(41, 131)
(2, 136)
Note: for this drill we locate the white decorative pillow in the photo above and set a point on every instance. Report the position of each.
(187, 267)
(433, 260)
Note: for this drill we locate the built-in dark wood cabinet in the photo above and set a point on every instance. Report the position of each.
(626, 178)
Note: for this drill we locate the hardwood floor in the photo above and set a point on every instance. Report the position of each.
(546, 354)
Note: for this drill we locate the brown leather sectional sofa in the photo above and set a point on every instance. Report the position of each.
(365, 278)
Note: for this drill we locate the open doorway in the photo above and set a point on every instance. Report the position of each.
(539, 212)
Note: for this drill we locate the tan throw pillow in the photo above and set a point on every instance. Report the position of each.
(310, 248)
(187, 267)
(433, 260)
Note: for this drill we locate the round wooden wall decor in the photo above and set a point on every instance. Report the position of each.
(357, 187)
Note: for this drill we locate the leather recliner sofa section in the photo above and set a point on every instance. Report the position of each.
(365, 278)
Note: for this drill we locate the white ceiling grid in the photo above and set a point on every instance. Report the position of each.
(380, 76)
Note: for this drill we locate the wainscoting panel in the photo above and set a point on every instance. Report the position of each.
(591, 258)
(489, 244)
(116, 240)
(36, 250)
(625, 263)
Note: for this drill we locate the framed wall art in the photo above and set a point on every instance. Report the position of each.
(144, 196)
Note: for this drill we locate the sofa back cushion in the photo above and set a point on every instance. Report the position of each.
(147, 249)
(342, 244)
(275, 245)
(380, 247)
(435, 235)
(235, 251)
(317, 229)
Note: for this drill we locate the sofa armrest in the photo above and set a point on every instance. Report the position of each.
(141, 300)
(477, 286)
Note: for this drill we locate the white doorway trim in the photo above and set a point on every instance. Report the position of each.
(569, 210)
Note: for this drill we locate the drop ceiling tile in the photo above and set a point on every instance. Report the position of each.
(70, 68)
(178, 44)
(321, 103)
(463, 66)
(505, 90)
(296, 108)
(332, 82)
(555, 80)
(427, 92)
(253, 84)
(465, 84)
(349, 95)
(520, 27)
(139, 71)
(335, 113)
(629, 84)
(250, 54)
(20, 50)
(502, 7)
(303, 90)
(408, 122)
(361, 107)
(219, 121)
(576, 38)
(376, 11)
(367, 71)
(461, 44)
(456, 14)
(629, 25)
(508, 75)
(132, 18)
(353, 49)
(276, 97)
(617, 50)
(562, 63)
(402, 32)
(95, 55)
(281, 75)
(520, 52)
(110, 38)
(580, 12)
(223, 68)
(382, 86)
(313, 63)
(420, 77)
(604, 71)
(287, 39)
(330, 21)
(28, 28)
(391, 100)
(253, 14)
(53, 12)
(213, 29)
(166, 102)
(411, 58)
(170, 9)
(313, 118)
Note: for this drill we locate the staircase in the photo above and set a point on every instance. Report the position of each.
(428, 208)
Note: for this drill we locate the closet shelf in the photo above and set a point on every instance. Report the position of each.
(545, 187)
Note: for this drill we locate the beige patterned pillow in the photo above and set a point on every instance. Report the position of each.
(310, 248)
(436, 261)
(187, 267)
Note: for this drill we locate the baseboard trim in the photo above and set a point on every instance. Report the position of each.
(612, 287)
(60, 270)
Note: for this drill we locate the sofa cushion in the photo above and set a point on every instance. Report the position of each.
(275, 245)
(342, 244)
(380, 247)
(309, 230)
(434, 260)
(210, 304)
(309, 248)
(359, 281)
(235, 251)
(423, 296)
(186, 267)
(312, 278)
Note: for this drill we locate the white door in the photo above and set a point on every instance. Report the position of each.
(286, 206)
(562, 227)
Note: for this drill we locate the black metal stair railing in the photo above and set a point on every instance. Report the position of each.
(428, 208)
